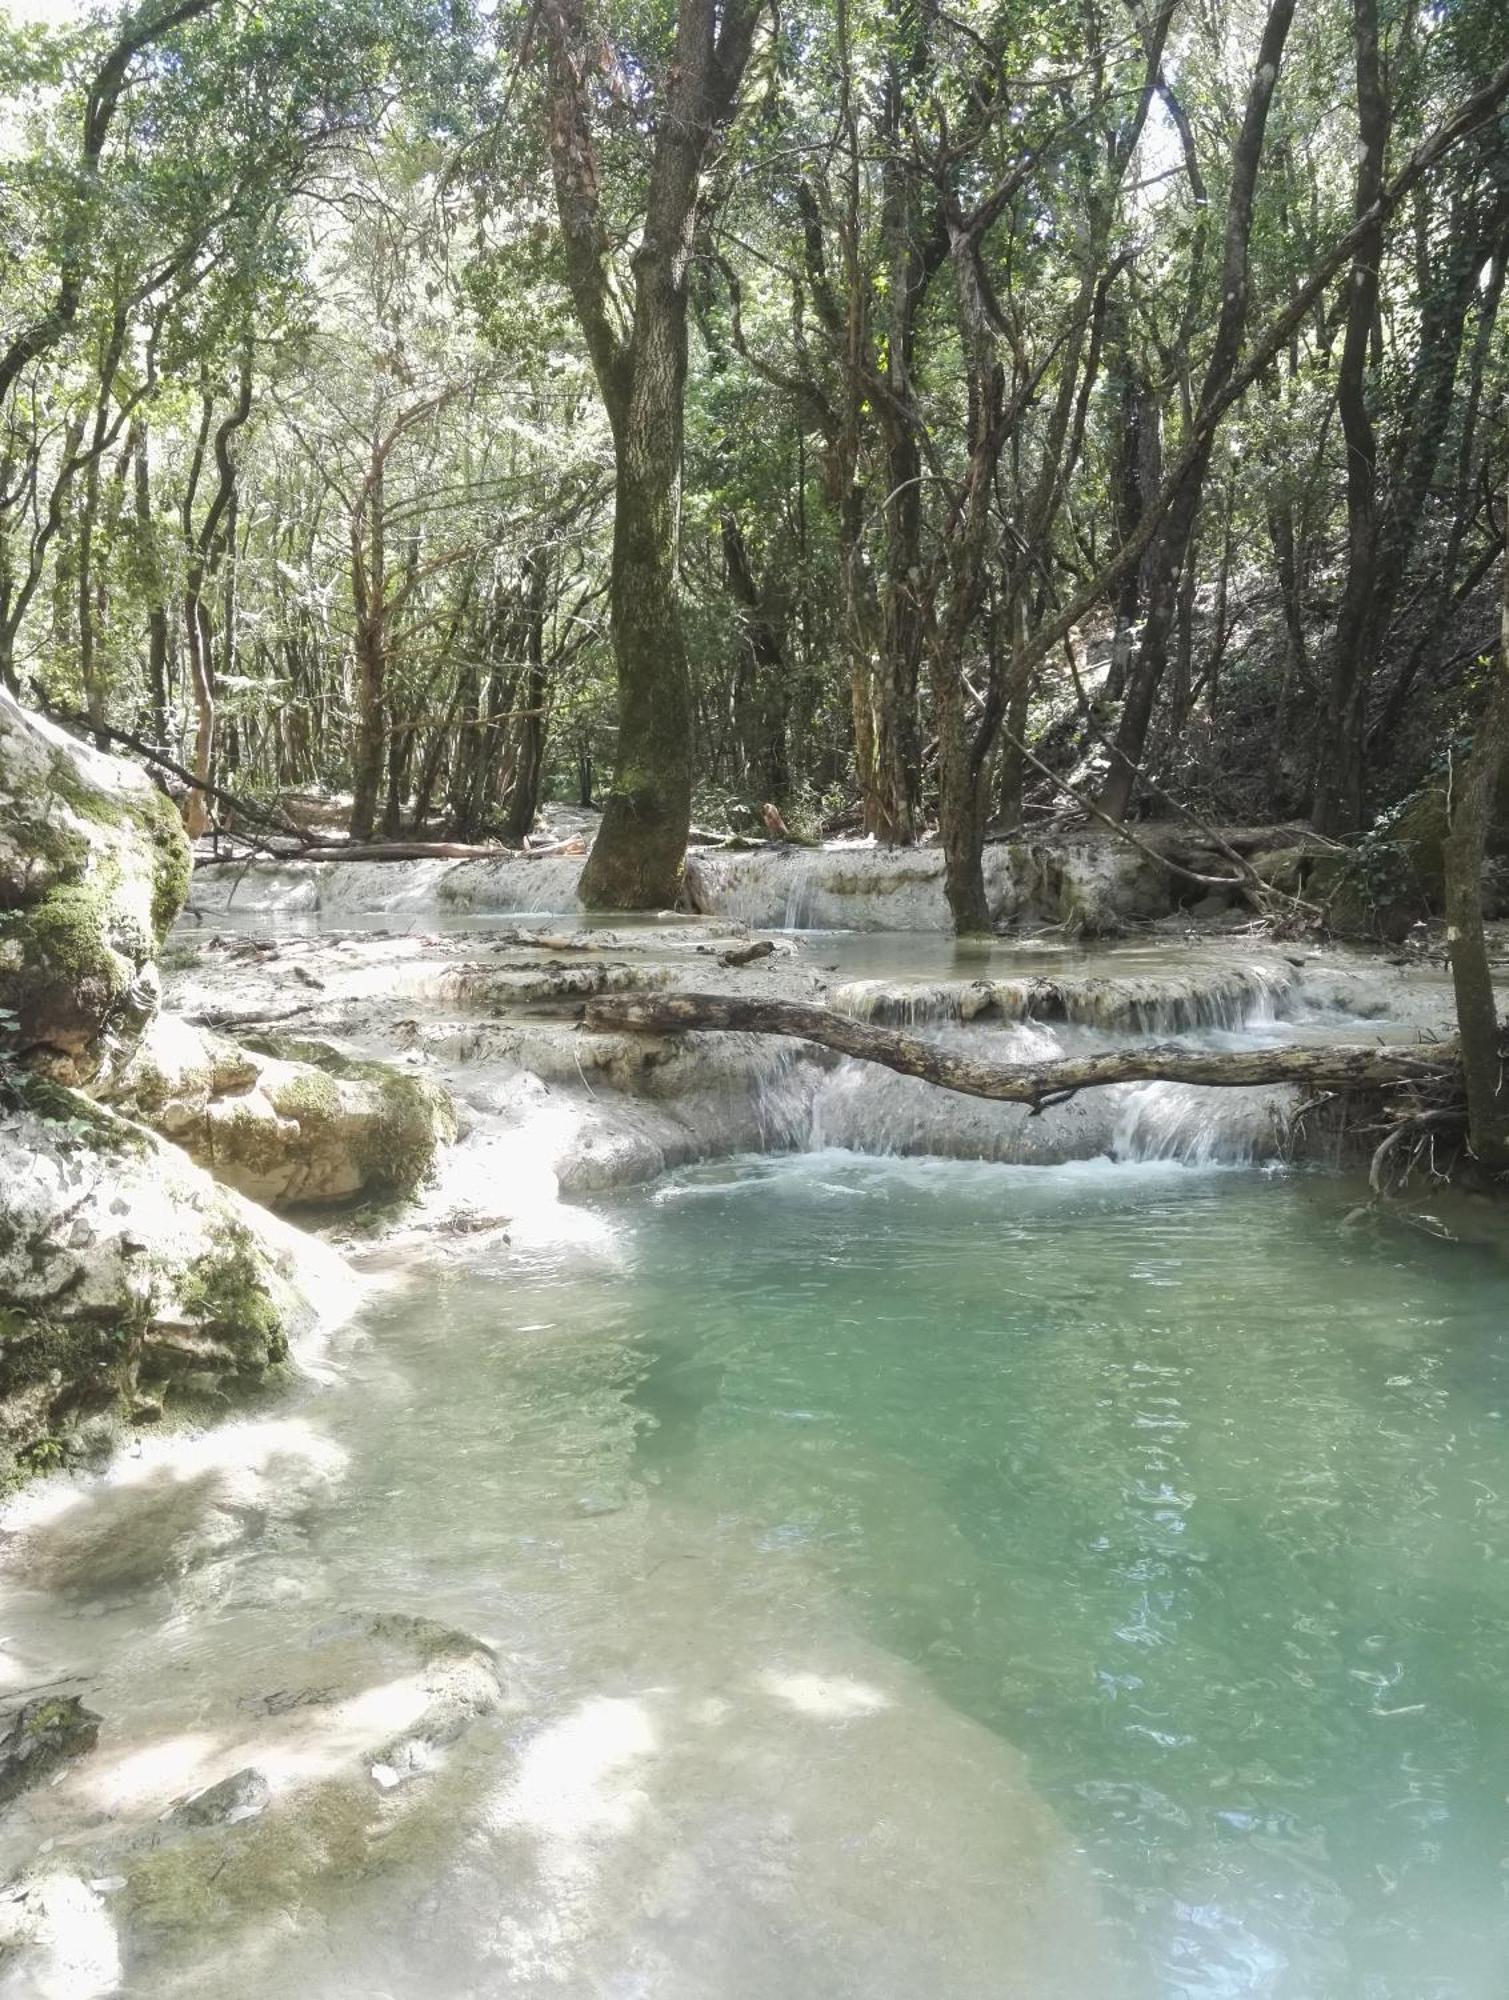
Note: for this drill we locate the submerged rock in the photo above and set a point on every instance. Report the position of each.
(243, 1795)
(289, 1122)
(286, 1815)
(124, 1268)
(94, 867)
(40, 1737)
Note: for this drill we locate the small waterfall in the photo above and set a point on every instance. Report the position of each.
(1223, 997)
(1201, 1128)
(1129, 1122)
(914, 1004)
(785, 1093)
(797, 912)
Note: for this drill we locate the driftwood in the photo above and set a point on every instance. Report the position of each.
(376, 850)
(1332, 1068)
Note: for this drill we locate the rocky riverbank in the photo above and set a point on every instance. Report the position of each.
(398, 1047)
(398, 1062)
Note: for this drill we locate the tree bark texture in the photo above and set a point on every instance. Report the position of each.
(637, 858)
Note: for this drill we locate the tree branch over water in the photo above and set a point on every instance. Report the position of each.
(1352, 1067)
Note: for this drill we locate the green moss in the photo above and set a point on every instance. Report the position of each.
(313, 1097)
(415, 1117)
(80, 1121)
(42, 837)
(173, 859)
(227, 1295)
(53, 1372)
(62, 938)
(398, 1149)
(34, 1348)
(77, 934)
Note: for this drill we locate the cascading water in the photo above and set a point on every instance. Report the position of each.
(866, 1109)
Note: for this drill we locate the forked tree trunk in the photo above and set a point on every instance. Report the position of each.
(205, 551)
(1169, 547)
(637, 858)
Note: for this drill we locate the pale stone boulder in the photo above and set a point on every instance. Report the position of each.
(128, 1279)
(290, 1124)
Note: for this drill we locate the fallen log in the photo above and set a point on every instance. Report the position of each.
(378, 850)
(1328, 1068)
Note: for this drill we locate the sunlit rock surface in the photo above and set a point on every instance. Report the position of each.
(128, 1280)
(291, 1123)
(290, 1786)
(94, 866)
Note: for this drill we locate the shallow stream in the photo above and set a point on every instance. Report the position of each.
(908, 1578)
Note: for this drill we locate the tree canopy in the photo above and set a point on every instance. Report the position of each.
(919, 420)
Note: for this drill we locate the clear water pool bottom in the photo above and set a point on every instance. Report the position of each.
(924, 1578)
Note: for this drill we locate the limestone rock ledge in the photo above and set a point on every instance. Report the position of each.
(129, 1281)
(289, 1123)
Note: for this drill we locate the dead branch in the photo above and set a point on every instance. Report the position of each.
(1357, 1067)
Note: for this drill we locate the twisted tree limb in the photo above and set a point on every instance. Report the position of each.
(1353, 1067)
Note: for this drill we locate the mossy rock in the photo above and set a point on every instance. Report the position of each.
(1396, 874)
(39, 1738)
(124, 1268)
(290, 1123)
(94, 867)
(409, 1117)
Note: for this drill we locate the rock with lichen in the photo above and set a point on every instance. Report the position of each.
(39, 1737)
(94, 867)
(288, 1123)
(130, 1283)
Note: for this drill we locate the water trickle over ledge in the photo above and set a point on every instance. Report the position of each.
(485, 1001)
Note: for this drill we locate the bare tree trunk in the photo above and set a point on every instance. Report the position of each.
(529, 759)
(1472, 798)
(637, 858)
(205, 550)
(1018, 704)
(94, 693)
(760, 697)
(1167, 550)
(1338, 792)
(369, 599)
(151, 570)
